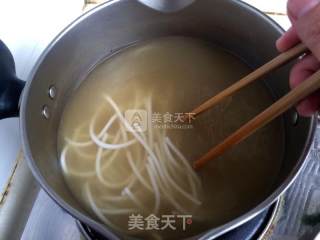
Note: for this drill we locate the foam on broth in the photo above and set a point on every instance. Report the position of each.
(180, 73)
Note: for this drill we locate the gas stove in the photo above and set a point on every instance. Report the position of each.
(28, 213)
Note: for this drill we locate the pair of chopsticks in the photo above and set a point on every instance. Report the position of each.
(307, 87)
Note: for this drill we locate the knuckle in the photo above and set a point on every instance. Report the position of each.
(308, 29)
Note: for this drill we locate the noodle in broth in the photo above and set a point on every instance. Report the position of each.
(117, 169)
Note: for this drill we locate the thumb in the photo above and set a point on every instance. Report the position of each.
(308, 28)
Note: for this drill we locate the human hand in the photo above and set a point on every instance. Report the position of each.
(305, 18)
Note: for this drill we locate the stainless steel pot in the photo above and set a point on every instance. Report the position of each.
(233, 25)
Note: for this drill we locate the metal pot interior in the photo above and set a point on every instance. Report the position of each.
(232, 25)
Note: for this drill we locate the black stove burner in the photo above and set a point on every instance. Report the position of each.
(252, 229)
(248, 231)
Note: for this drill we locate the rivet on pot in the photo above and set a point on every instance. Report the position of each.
(46, 112)
(295, 118)
(52, 92)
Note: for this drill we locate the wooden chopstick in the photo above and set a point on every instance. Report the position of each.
(276, 62)
(294, 96)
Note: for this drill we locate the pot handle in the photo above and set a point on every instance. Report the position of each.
(10, 86)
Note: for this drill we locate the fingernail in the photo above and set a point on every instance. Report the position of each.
(310, 4)
(278, 44)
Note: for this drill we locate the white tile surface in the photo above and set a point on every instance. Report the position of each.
(28, 26)
(9, 147)
(283, 21)
(275, 6)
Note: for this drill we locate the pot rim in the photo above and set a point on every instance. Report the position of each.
(210, 234)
